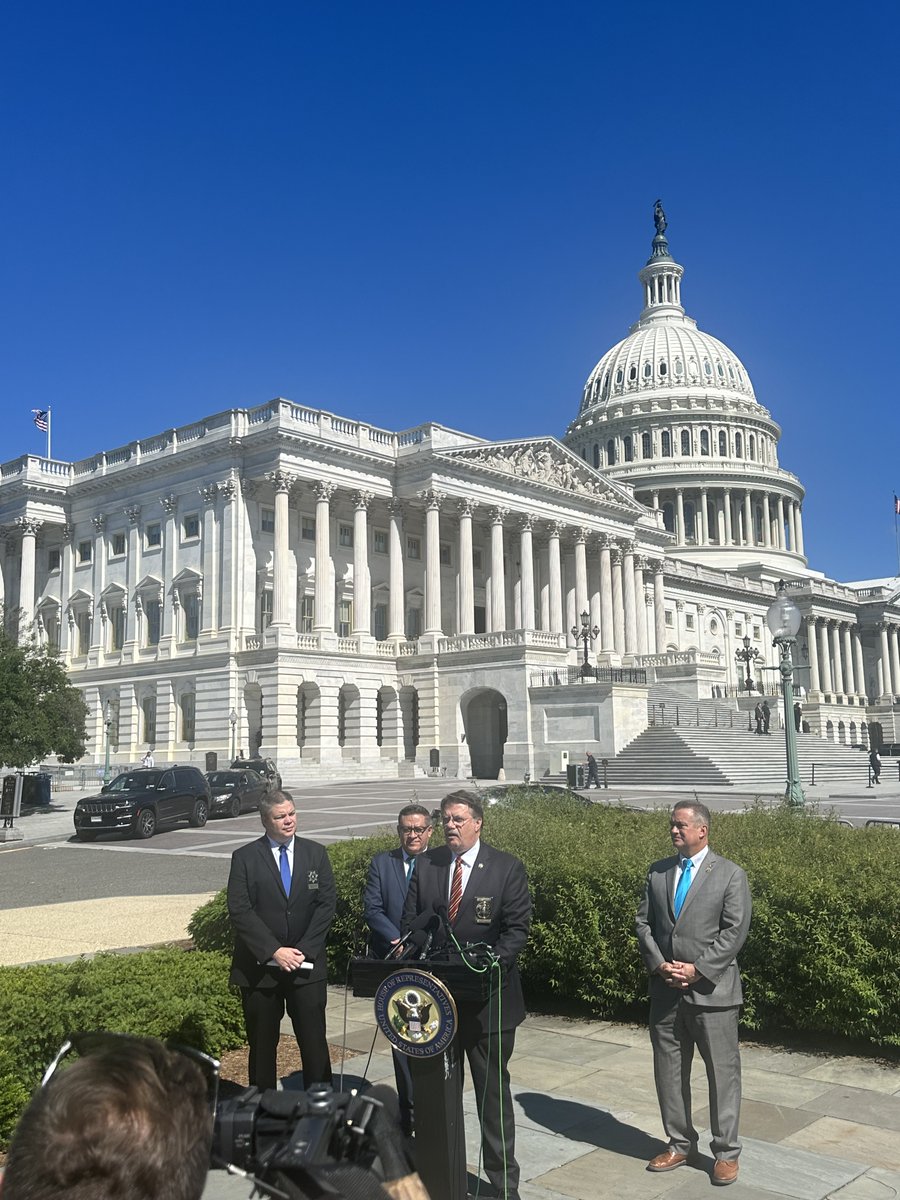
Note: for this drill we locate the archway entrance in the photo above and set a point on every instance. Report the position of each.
(484, 723)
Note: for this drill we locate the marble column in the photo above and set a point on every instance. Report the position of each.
(227, 489)
(798, 525)
(767, 521)
(433, 502)
(209, 494)
(895, 656)
(607, 627)
(792, 527)
(729, 527)
(362, 592)
(498, 573)
(887, 682)
(466, 570)
(679, 516)
(555, 566)
(704, 518)
(812, 644)
(780, 543)
(858, 661)
(837, 665)
(825, 658)
(629, 597)
(618, 601)
(282, 483)
(849, 680)
(396, 607)
(526, 557)
(29, 531)
(659, 605)
(323, 608)
(581, 586)
(640, 607)
(748, 519)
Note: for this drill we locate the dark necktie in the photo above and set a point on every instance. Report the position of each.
(456, 891)
(285, 868)
(410, 867)
(683, 884)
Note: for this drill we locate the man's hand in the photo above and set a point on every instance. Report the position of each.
(680, 975)
(288, 958)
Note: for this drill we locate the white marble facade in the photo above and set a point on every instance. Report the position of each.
(347, 599)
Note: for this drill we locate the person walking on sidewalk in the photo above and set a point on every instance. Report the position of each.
(875, 764)
(593, 779)
(692, 922)
(758, 717)
(766, 716)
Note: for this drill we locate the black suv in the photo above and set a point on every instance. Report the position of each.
(141, 800)
(262, 766)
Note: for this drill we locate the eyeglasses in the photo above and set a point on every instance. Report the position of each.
(457, 821)
(84, 1044)
(417, 831)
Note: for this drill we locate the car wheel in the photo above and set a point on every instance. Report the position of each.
(86, 835)
(235, 807)
(199, 816)
(145, 824)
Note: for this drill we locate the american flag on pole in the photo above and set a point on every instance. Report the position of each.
(40, 418)
(896, 503)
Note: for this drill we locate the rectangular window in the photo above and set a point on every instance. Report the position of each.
(267, 520)
(413, 547)
(379, 622)
(117, 628)
(266, 602)
(308, 528)
(445, 554)
(117, 545)
(689, 620)
(54, 559)
(380, 541)
(148, 708)
(345, 618)
(188, 711)
(345, 535)
(413, 623)
(756, 633)
(669, 620)
(738, 629)
(190, 527)
(477, 559)
(191, 617)
(85, 552)
(152, 617)
(153, 535)
(307, 613)
(83, 632)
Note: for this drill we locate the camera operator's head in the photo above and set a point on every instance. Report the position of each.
(130, 1119)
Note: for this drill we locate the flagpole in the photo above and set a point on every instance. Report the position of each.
(897, 529)
(48, 433)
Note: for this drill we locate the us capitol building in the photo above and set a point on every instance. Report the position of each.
(351, 600)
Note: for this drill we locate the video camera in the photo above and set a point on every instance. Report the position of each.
(317, 1143)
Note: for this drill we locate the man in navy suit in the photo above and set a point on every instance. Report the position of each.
(692, 922)
(383, 901)
(281, 900)
(484, 893)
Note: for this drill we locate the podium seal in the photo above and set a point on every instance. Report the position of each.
(416, 1013)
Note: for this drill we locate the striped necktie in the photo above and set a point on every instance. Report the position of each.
(456, 891)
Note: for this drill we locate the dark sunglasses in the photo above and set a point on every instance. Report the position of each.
(82, 1044)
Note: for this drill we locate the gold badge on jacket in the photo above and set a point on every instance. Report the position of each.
(313, 881)
(484, 910)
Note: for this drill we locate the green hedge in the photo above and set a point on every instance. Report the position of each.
(823, 953)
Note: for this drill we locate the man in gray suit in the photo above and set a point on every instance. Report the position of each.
(692, 922)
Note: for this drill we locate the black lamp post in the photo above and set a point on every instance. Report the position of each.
(747, 656)
(586, 635)
(783, 620)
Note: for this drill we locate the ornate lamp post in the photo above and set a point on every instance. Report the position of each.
(586, 635)
(747, 656)
(783, 620)
(232, 717)
(108, 723)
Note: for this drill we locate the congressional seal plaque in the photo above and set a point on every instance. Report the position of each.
(416, 1013)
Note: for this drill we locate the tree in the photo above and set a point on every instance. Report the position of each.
(41, 713)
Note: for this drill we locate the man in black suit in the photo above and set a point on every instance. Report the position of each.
(485, 895)
(281, 900)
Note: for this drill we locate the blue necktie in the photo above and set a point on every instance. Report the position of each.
(683, 884)
(285, 868)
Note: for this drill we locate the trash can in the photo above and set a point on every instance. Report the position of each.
(575, 775)
(36, 788)
(212, 761)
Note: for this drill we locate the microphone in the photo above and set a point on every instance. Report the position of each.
(422, 921)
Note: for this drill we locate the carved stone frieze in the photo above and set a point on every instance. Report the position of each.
(539, 463)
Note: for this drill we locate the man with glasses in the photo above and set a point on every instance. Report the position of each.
(127, 1115)
(484, 894)
(383, 901)
(281, 900)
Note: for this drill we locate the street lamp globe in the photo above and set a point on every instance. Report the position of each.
(783, 616)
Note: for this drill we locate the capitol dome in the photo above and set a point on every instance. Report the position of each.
(671, 411)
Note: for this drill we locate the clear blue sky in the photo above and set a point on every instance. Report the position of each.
(408, 211)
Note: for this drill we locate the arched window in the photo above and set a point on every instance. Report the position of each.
(704, 441)
(686, 442)
(668, 513)
(751, 447)
(611, 453)
(738, 446)
(596, 454)
(628, 447)
(663, 368)
(632, 373)
(665, 444)
(723, 443)
(646, 448)
(619, 376)
(707, 369)
(679, 366)
(690, 522)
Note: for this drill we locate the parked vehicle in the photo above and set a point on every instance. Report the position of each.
(234, 792)
(142, 800)
(262, 766)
